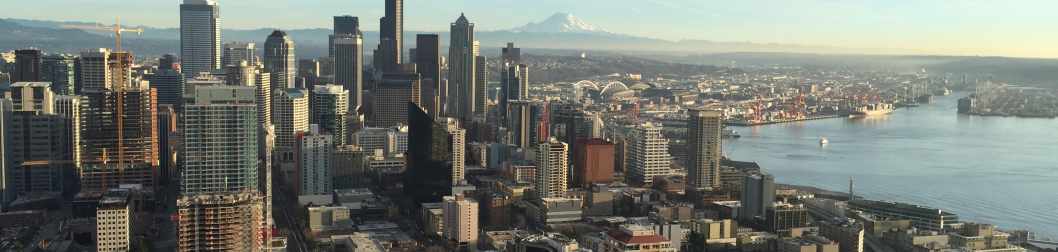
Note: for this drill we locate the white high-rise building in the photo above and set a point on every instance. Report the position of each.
(649, 154)
(703, 148)
(460, 219)
(330, 104)
(199, 37)
(290, 115)
(458, 136)
(552, 169)
(314, 162)
(114, 222)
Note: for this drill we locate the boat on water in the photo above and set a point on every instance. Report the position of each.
(873, 109)
(730, 133)
(823, 141)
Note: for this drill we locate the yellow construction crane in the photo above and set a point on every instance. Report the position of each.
(116, 29)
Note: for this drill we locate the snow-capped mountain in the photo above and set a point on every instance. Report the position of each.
(560, 23)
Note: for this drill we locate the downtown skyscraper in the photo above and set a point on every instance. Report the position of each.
(391, 35)
(703, 149)
(461, 72)
(199, 37)
(347, 44)
(279, 59)
(428, 63)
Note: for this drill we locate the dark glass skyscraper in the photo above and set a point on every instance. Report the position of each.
(428, 62)
(346, 25)
(429, 173)
(391, 34)
(27, 65)
(59, 70)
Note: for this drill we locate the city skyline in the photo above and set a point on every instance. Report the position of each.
(927, 27)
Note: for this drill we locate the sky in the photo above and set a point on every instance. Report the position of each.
(1021, 28)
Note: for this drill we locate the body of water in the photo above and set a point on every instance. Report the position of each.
(986, 169)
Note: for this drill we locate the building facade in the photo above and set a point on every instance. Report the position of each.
(199, 37)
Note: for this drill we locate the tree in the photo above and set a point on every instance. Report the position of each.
(696, 241)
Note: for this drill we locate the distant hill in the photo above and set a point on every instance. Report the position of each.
(559, 31)
(560, 35)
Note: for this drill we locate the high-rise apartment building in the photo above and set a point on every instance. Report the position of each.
(199, 37)
(457, 136)
(649, 154)
(290, 115)
(460, 220)
(279, 59)
(220, 147)
(314, 163)
(461, 70)
(330, 104)
(703, 149)
(552, 174)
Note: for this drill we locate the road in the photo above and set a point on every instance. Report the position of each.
(287, 221)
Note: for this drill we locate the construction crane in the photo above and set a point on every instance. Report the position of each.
(116, 29)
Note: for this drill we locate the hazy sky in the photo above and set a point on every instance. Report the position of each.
(1023, 28)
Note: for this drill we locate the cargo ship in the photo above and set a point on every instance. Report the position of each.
(872, 110)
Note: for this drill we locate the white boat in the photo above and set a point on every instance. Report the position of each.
(872, 110)
(823, 141)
